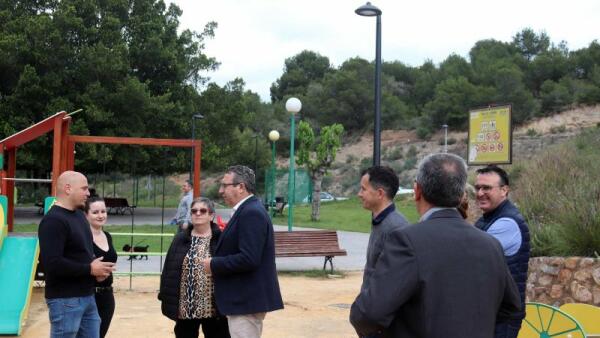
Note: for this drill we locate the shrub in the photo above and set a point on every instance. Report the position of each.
(423, 133)
(532, 132)
(395, 153)
(351, 158)
(412, 151)
(557, 195)
(410, 163)
(559, 129)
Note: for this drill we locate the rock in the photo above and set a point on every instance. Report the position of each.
(571, 262)
(551, 270)
(564, 276)
(582, 275)
(585, 262)
(596, 295)
(557, 261)
(582, 294)
(556, 291)
(540, 290)
(596, 275)
(545, 280)
(567, 300)
(532, 277)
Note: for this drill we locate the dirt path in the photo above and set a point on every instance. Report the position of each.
(314, 307)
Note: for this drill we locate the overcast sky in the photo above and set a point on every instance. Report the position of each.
(254, 37)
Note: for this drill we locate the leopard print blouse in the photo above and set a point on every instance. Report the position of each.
(196, 289)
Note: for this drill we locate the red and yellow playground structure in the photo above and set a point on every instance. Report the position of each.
(19, 254)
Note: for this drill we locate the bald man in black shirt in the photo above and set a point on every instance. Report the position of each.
(66, 252)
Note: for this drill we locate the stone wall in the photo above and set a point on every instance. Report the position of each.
(559, 280)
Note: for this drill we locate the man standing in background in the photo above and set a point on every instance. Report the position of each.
(503, 220)
(182, 217)
(378, 187)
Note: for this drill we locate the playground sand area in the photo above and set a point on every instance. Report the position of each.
(314, 307)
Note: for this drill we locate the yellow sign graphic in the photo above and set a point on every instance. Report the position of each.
(490, 137)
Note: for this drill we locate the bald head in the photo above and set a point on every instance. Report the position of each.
(72, 189)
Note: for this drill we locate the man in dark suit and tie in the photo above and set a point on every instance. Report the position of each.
(243, 265)
(441, 277)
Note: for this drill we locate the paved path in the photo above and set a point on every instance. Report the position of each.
(355, 243)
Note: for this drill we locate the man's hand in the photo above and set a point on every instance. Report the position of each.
(100, 268)
(206, 264)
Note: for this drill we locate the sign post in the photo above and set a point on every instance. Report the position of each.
(490, 136)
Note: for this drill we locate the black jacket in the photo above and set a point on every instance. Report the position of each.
(170, 278)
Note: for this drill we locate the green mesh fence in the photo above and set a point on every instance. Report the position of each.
(303, 186)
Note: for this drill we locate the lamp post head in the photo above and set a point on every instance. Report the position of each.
(368, 10)
(198, 116)
(293, 105)
(273, 135)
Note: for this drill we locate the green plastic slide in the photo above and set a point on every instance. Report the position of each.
(18, 260)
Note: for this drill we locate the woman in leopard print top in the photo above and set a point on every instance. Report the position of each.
(186, 290)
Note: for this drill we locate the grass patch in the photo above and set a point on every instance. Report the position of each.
(119, 241)
(345, 215)
(315, 273)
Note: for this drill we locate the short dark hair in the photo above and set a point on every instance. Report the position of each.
(442, 178)
(383, 177)
(190, 183)
(90, 200)
(243, 174)
(492, 168)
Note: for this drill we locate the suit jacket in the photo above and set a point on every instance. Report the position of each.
(438, 278)
(243, 264)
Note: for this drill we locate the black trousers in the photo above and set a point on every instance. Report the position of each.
(105, 301)
(215, 327)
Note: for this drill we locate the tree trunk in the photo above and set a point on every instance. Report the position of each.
(317, 179)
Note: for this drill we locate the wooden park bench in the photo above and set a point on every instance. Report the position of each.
(309, 244)
(118, 205)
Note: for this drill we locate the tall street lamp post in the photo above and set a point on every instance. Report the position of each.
(370, 10)
(194, 117)
(273, 137)
(293, 106)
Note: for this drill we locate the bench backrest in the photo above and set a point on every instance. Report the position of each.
(311, 241)
(116, 202)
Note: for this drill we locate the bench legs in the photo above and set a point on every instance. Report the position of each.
(330, 260)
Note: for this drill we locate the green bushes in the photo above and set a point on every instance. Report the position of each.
(559, 194)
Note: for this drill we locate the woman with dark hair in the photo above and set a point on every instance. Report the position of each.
(186, 290)
(95, 211)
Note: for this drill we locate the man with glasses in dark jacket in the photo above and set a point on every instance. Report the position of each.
(503, 220)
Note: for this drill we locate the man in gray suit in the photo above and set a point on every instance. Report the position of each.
(441, 277)
(378, 186)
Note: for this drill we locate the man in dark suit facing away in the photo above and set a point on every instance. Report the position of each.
(440, 277)
(243, 265)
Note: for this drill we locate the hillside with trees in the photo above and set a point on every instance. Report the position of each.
(134, 72)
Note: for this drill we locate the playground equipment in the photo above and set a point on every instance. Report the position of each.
(544, 321)
(63, 153)
(18, 260)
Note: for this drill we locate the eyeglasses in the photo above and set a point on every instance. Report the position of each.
(201, 211)
(225, 185)
(486, 188)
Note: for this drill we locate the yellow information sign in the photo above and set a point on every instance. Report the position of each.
(490, 135)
